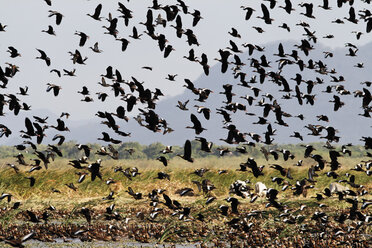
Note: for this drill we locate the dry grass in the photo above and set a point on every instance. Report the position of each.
(180, 171)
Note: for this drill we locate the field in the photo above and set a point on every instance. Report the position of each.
(131, 222)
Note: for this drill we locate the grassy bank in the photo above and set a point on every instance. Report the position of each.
(181, 175)
(268, 227)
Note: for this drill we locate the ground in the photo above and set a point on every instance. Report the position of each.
(253, 225)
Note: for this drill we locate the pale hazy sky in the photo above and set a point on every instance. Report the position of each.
(26, 19)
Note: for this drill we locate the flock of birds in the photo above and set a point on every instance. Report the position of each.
(144, 100)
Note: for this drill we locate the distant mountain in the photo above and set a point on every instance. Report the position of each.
(346, 120)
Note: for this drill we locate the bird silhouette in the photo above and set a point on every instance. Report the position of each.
(58, 16)
(197, 125)
(44, 57)
(187, 152)
(97, 13)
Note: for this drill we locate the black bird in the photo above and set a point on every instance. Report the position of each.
(185, 192)
(50, 31)
(81, 175)
(325, 5)
(95, 48)
(6, 195)
(18, 242)
(23, 91)
(97, 12)
(171, 77)
(197, 125)
(54, 149)
(297, 135)
(206, 111)
(352, 17)
(135, 34)
(13, 52)
(112, 28)
(249, 12)
(69, 73)
(309, 10)
(168, 202)
(44, 57)
(2, 27)
(163, 175)
(60, 126)
(43, 158)
(234, 33)
(224, 56)
(187, 152)
(205, 145)
(120, 113)
(84, 92)
(127, 13)
(54, 87)
(30, 128)
(332, 174)
(83, 38)
(183, 6)
(288, 6)
(32, 217)
(136, 196)
(283, 171)
(94, 170)
(225, 115)
(196, 18)
(234, 204)
(85, 148)
(58, 16)
(257, 171)
(191, 56)
(87, 214)
(107, 138)
(57, 72)
(204, 63)
(337, 103)
(163, 160)
(124, 44)
(178, 27)
(71, 186)
(32, 181)
(224, 209)
(167, 50)
(266, 14)
(369, 25)
(308, 150)
(191, 38)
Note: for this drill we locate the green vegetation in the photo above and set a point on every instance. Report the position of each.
(180, 171)
(152, 151)
(167, 228)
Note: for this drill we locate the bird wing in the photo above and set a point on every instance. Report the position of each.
(30, 128)
(27, 236)
(266, 14)
(352, 13)
(149, 17)
(187, 149)
(135, 33)
(97, 11)
(42, 53)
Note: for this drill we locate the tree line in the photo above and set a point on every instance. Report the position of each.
(135, 150)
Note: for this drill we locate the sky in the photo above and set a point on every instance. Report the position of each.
(26, 19)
